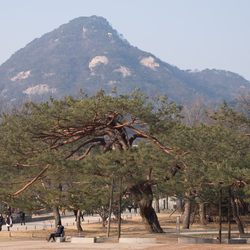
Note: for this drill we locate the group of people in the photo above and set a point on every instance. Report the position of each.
(75, 213)
(60, 228)
(8, 220)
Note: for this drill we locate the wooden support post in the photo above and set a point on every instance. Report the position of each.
(110, 206)
(229, 214)
(119, 212)
(178, 224)
(220, 208)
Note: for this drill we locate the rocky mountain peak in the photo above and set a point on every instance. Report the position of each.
(87, 53)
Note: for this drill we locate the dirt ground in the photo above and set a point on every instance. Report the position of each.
(130, 228)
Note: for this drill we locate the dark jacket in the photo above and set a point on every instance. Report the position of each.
(22, 215)
(59, 231)
(1, 220)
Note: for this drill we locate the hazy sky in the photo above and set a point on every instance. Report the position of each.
(190, 34)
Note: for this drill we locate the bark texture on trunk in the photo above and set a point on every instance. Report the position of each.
(194, 214)
(236, 216)
(56, 215)
(157, 205)
(202, 211)
(143, 196)
(149, 217)
(78, 221)
(104, 222)
(187, 214)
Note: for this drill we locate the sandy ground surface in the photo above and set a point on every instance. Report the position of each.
(131, 228)
(30, 244)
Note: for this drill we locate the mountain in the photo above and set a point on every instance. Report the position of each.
(88, 54)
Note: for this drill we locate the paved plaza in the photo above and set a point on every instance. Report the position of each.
(68, 220)
(14, 244)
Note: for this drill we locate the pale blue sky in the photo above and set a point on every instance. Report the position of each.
(190, 34)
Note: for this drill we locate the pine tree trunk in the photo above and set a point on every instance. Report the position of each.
(143, 196)
(194, 214)
(236, 216)
(149, 217)
(157, 202)
(157, 207)
(187, 214)
(202, 213)
(56, 215)
(78, 221)
(103, 218)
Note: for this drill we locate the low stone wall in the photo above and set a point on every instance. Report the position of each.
(16, 218)
(29, 218)
(236, 241)
(41, 218)
(186, 240)
(138, 240)
(82, 239)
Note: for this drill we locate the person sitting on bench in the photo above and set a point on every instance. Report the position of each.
(58, 233)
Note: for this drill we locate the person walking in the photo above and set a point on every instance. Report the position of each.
(1, 221)
(63, 211)
(81, 214)
(8, 222)
(75, 213)
(58, 233)
(22, 217)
